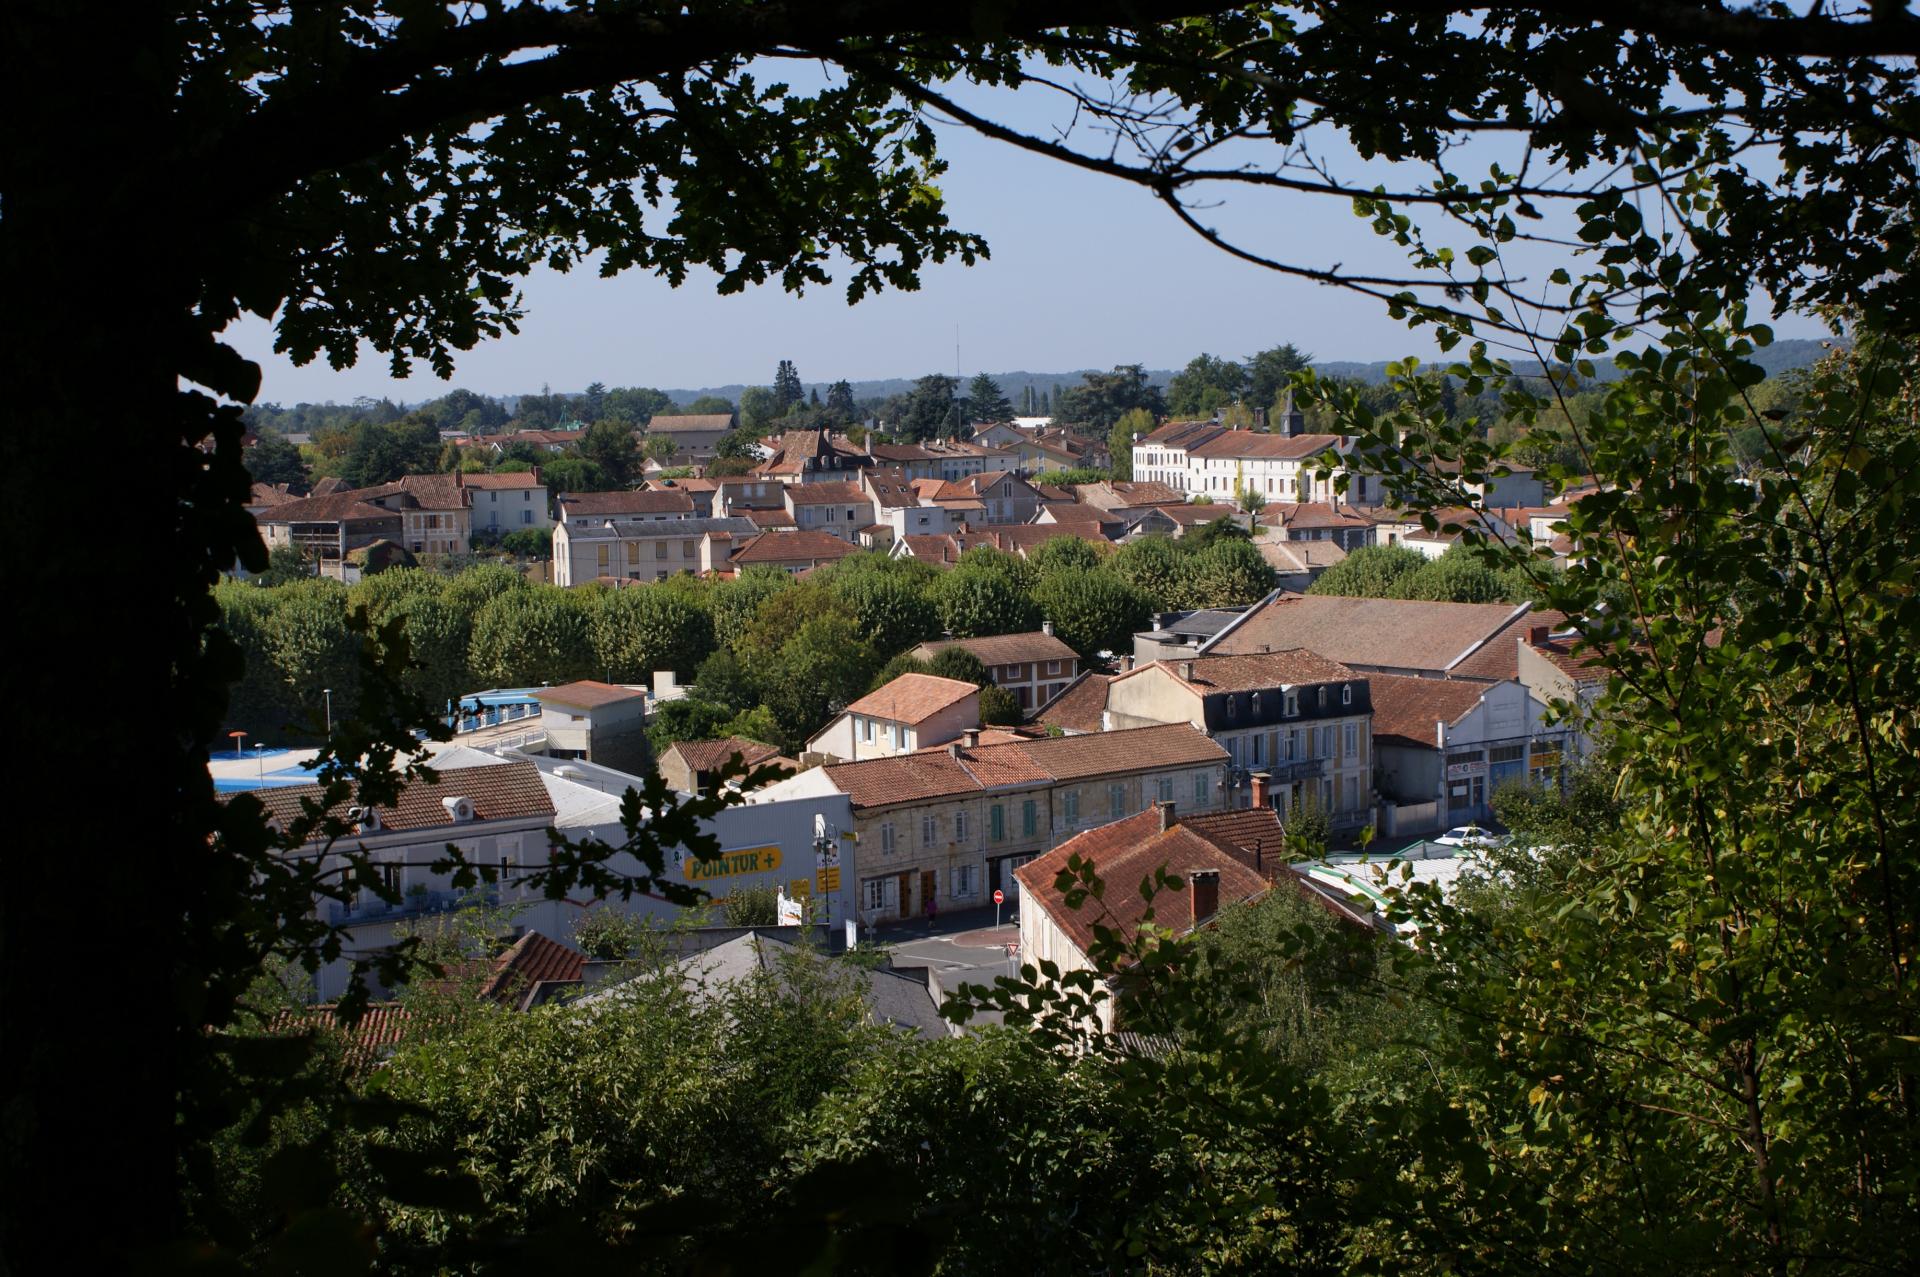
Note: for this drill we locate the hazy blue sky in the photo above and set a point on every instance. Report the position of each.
(1086, 271)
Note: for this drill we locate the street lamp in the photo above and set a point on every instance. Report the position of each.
(260, 756)
(328, 693)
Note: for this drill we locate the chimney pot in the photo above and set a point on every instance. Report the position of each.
(1539, 634)
(970, 737)
(1166, 815)
(1206, 894)
(1046, 627)
(1260, 780)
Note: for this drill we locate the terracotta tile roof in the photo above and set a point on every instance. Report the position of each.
(933, 549)
(769, 520)
(336, 507)
(270, 494)
(1135, 749)
(790, 547)
(586, 693)
(1191, 515)
(1253, 671)
(1300, 556)
(1251, 444)
(913, 698)
(1051, 493)
(1405, 709)
(890, 487)
(1006, 649)
(1499, 657)
(512, 479)
(1393, 633)
(1078, 706)
(1024, 538)
(1184, 434)
(836, 492)
(363, 1044)
(530, 960)
(509, 791)
(613, 504)
(1124, 854)
(712, 755)
(1114, 496)
(690, 423)
(328, 486)
(1312, 514)
(956, 769)
(1253, 834)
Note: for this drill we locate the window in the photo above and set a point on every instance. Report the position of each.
(997, 819)
(659, 549)
(1506, 753)
(1321, 697)
(849, 516)
(1350, 747)
(526, 516)
(526, 495)
(1293, 704)
(865, 728)
(1053, 667)
(1233, 707)
(1326, 743)
(959, 826)
(929, 830)
(1202, 790)
(1346, 694)
(960, 881)
(1253, 755)
(1071, 806)
(1166, 789)
(878, 893)
(603, 555)
(886, 838)
(687, 549)
(1256, 704)
(1117, 800)
(1028, 821)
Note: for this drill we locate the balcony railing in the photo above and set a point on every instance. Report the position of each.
(412, 904)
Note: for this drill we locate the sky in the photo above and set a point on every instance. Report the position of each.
(1086, 271)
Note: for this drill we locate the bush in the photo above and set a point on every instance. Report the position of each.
(752, 907)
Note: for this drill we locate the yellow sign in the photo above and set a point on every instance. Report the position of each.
(748, 860)
(828, 879)
(798, 888)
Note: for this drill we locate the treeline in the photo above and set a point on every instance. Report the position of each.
(773, 657)
(1395, 572)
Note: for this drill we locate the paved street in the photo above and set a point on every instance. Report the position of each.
(963, 947)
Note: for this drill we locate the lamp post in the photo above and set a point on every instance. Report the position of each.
(260, 756)
(328, 693)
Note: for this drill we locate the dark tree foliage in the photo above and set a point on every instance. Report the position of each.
(986, 401)
(927, 410)
(386, 175)
(787, 390)
(274, 460)
(1103, 397)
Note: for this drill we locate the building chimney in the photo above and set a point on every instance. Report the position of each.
(953, 749)
(1206, 894)
(970, 737)
(1260, 780)
(1046, 628)
(1186, 670)
(1539, 634)
(1166, 814)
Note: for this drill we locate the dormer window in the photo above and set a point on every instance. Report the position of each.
(1346, 694)
(1256, 704)
(1233, 707)
(1323, 698)
(1293, 704)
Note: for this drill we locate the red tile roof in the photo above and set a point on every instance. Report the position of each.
(587, 694)
(613, 504)
(791, 547)
(913, 698)
(1304, 515)
(1005, 649)
(712, 755)
(1395, 633)
(884, 782)
(363, 1044)
(511, 479)
(1230, 444)
(1124, 854)
(506, 791)
(1405, 709)
(834, 492)
(335, 507)
(1184, 434)
(1078, 706)
(768, 519)
(1499, 657)
(530, 960)
(1251, 672)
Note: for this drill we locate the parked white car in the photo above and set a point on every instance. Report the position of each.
(1468, 836)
